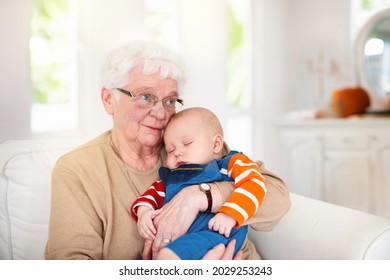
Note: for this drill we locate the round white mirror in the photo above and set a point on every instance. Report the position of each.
(373, 60)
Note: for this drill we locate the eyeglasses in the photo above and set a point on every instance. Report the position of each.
(170, 103)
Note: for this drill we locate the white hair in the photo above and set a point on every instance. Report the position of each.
(152, 58)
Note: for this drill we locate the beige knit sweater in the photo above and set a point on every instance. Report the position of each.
(92, 191)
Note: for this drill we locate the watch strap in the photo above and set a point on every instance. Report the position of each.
(209, 198)
(209, 201)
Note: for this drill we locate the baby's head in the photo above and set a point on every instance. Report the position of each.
(193, 135)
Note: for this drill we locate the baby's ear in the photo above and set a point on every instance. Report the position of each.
(218, 143)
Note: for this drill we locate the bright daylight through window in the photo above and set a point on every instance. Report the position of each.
(53, 64)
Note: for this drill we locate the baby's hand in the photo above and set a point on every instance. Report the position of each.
(145, 223)
(222, 223)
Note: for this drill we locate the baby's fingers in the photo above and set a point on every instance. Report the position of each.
(147, 230)
(147, 233)
(213, 225)
(155, 213)
(151, 228)
(226, 232)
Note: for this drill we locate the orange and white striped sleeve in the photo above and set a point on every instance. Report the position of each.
(251, 188)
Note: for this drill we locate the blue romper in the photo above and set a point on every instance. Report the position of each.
(199, 239)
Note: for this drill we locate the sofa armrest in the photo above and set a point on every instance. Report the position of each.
(314, 229)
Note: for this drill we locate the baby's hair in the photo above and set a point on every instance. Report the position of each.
(208, 118)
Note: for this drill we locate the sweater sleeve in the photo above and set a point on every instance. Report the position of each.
(152, 198)
(251, 188)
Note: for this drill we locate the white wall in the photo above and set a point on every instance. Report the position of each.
(287, 34)
(15, 93)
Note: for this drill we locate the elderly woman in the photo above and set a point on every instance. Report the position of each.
(94, 185)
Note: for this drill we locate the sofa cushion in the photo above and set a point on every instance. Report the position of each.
(314, 230)
(25, 182)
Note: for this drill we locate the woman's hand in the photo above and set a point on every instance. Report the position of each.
(177, 216)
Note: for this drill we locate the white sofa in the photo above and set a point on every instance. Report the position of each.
(311, 230)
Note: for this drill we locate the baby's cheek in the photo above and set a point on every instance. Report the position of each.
(170, 162)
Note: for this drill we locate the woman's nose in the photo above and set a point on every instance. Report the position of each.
(159, 111)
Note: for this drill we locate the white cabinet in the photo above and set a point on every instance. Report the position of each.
(346, 162)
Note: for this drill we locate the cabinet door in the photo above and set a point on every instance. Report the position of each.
(382, 205)
(348, 179)
(302, 165)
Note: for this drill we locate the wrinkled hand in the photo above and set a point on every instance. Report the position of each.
(145, 223)
(220, 252)
(177, 216)
(222, 223)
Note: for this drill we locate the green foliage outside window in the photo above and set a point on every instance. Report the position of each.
(370, 5)
(234, 67)
(51, 51)
(237, 67)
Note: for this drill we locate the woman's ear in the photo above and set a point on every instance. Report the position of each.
(108, 100)
(218, 143)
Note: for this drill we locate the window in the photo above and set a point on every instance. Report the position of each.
(53, 63)
(239, 54)
(374, 5)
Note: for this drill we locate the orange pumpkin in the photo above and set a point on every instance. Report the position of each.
(349, 101)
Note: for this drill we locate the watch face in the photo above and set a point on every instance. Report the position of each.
(205, 186)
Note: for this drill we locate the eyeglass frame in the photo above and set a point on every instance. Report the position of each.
(155, 99)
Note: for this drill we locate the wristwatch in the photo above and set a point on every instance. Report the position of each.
(207, 190)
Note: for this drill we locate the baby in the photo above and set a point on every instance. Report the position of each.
(194, 144)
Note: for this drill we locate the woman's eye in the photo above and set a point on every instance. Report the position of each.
(170, 101)
(145, 97)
